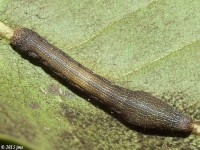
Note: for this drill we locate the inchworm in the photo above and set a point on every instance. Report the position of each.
(136, 107)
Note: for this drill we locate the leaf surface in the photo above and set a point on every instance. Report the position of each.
(149, 45)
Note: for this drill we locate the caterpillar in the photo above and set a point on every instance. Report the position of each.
(138, 108)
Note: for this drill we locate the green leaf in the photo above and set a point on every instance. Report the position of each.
(138, 44)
